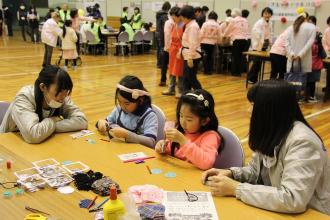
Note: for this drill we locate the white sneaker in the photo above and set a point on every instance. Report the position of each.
(65, 68)
(313, 100)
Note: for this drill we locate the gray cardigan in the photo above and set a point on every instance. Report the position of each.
(299, 175)
(21, 116)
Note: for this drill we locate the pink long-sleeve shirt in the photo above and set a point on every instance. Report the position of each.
(168, 27)
(190, 41)
(279, 45)
(326, 41)
(210, 32)
(77, 20)
(201, 150)
(238, 29)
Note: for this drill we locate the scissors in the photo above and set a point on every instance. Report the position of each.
(35, 216)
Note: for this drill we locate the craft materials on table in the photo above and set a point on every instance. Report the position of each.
(146, 193)
(81, 134)
(132, 157)
(189, 205)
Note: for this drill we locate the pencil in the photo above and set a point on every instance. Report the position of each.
(102, 203)
(101, 139)
(91, 203)
(141, 158)
(149, 169)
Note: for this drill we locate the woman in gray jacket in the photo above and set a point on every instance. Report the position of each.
(40, 110)
(290, 168)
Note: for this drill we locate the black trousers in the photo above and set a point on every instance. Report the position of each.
(327, 87)
(159, 51)
(256, 66)
(1, 23)
(10, 29)
(24, 30)
(35, 35)
(48, 55)
(208, 59)
(278, 65)
(164, 65)
(237, 66)
(190, 80)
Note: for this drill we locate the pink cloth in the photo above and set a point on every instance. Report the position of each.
(146, 193)
(168, 27)
(190, 41)
(50, 32)
(317, 62)
(210, 32)
(279, 45)
(326, 41)
(201, 150)
(267, 31)
(238, 29)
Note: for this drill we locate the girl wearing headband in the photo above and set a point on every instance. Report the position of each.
(195, 138)
(133, 118)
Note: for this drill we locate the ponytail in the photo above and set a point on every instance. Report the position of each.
(298, 22)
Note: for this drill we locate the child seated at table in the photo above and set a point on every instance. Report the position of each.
(133, 118)
(195, 138)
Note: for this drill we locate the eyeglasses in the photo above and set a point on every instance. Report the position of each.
(191, 197)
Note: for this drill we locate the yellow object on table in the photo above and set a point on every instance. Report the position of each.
(35, 216)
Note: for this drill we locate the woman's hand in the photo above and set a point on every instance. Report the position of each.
(175, 136)
(190, 63)
(160, 147)
(119, 132)
(215, 172)
(101, 126)
(222, 186)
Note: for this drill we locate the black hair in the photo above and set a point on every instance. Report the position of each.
(125, 8)
(187, 12)
(266, 10)
(245, 13)
(147, 26)
(197, 9)
(51, 75)
(175, 11)
(132, 82)
(213, 15)
(35, 10)
(97, 5)
(312, 19)
(166, 6)
(228, 12)
(328, 20)
(198, 108)
(298, 22)
(205, 8)
(275, 110)
(67, 23)
(73, 12)
(137, 8)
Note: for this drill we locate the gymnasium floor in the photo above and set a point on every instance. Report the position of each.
(95, 81)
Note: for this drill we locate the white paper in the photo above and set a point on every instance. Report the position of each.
(178, 207)
(82, 133)
(131, 156)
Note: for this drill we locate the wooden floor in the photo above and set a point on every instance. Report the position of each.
(95, 81)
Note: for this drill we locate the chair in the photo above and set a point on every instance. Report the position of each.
(161, 122)
(123, 39)
(137, 41)
(232, 154)
(148, 37)
(91, 41)
(3, 109)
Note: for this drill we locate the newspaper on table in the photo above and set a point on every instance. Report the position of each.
(178, 207)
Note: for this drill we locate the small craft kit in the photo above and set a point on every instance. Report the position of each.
(49, 172)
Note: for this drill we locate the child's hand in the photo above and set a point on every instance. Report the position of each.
(215, 172)
(119, 132)
(101, 124)
(160, 147)
(222, 186)
(175, 136)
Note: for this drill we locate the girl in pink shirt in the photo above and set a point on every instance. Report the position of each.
(190, 50)
(278, 57)
(195, 138)
(238, 31)
(209, 37)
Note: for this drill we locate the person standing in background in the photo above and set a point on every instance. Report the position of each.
(8, 17)
(161, 18)
(64, 14)
(261, 40)
(1, 22)
(22, 19)
(136, 20)
(124, 15)
(33, 18)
